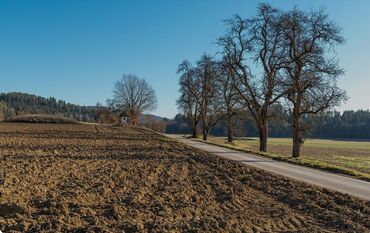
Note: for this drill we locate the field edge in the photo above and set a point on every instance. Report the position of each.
(296, 161)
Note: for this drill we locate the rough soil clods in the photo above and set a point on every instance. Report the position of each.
(86, 178)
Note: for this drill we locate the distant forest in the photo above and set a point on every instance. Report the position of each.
(347, 124)
(333, 124)
(16, 103)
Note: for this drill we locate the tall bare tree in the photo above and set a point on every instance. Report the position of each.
(311, 68)
(134, 96)
(260, 40)
(230, 102)
(210, 99)
(190, 94)
(200, 98)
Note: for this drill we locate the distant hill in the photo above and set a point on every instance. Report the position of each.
(153, 117)
(18, 103)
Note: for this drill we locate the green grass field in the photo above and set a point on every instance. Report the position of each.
(347, 157)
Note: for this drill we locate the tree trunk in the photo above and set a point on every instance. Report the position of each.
(205, 135)
(204, 126)
(262, 124)
(134, 119)
(296, 124)
(194, 130)
(263, 135)
(297, 140)
(229, 129)
(297, 143)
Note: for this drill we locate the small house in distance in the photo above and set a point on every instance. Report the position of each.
(123, 118)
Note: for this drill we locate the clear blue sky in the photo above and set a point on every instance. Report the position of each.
(75, 49)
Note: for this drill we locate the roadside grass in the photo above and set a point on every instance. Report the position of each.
(345, 157)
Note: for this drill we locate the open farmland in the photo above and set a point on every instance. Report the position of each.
(87, 178)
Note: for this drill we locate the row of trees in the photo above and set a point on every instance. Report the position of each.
(284, 58)
(331, 124)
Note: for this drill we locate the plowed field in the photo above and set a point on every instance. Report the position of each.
(86, 178)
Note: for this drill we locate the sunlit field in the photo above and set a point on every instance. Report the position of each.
(350, 157)
(94, 178)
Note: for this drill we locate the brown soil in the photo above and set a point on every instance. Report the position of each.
(86, 178)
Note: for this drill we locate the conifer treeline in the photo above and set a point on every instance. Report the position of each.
(17, 103)
(341, 125)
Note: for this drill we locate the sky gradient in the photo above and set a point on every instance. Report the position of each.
(74, 50)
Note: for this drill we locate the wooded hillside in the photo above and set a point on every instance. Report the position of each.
(16, 103)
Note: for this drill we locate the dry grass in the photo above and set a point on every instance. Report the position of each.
(347, 157)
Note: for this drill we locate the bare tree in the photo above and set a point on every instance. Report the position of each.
(311, 68)
(200, 99)
(189, 100)
(210, 101)
(134, 96)
(229, 97)
(260, 40)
